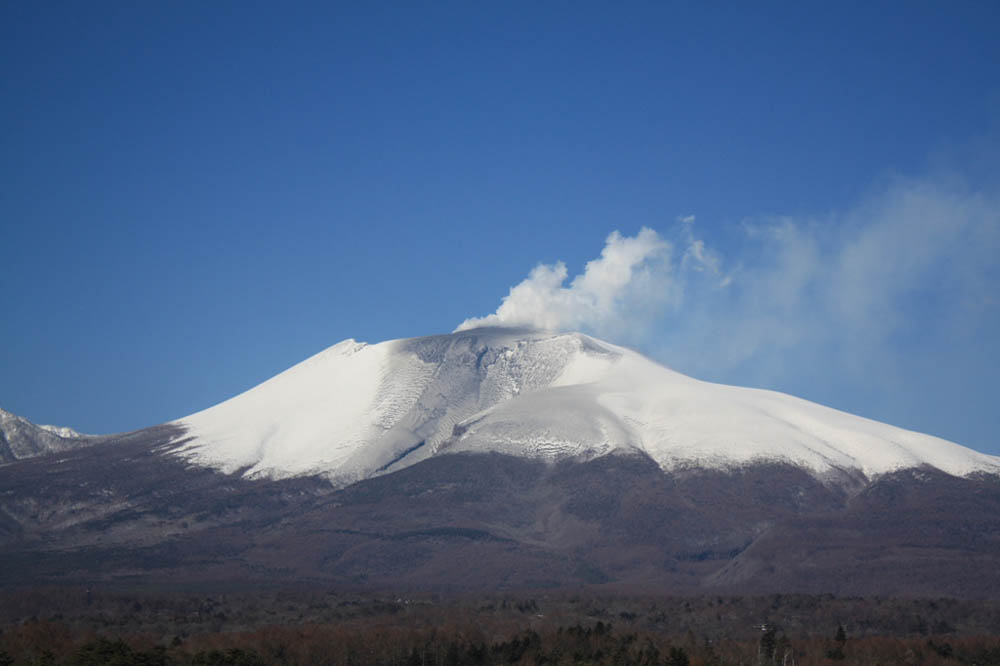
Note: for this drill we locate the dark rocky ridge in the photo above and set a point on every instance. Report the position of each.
(127, 511)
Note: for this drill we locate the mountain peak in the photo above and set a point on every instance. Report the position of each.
(357, 410)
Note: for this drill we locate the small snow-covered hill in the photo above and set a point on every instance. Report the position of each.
(20, 438)
(356, 410)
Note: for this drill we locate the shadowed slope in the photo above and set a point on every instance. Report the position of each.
(125, 512)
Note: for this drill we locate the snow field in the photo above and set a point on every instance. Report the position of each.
(357, 410)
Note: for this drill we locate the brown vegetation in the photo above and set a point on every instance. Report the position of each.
(84, 628)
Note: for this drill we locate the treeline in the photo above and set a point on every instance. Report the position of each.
(597, 644)
(170, 613)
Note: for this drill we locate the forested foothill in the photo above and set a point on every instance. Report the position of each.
(83, 627)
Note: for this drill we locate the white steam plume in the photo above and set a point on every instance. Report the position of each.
(852, 309)
(631, 275)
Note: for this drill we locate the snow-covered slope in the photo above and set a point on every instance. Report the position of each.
(357, 410)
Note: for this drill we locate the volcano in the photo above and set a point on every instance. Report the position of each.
(499, 458)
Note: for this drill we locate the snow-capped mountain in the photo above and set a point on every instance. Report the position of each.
(20, 438)
(357, 410)
(500, 459)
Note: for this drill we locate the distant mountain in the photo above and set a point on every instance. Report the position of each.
(20, 438)
(498, 459)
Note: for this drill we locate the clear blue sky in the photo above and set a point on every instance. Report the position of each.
(195, 196)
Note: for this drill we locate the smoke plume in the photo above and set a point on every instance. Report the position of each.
(631, 275)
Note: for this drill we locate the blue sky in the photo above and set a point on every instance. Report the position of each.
(196, 196)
